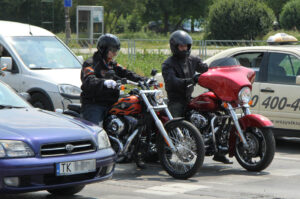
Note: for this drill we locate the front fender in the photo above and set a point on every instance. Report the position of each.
(173, 120)
(254, 120)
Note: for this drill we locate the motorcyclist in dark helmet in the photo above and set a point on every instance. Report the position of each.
(179, 73)
(99, 90)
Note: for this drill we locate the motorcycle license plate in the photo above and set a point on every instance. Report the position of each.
(76, 167)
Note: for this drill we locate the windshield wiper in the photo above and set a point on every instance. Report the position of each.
(3, 106)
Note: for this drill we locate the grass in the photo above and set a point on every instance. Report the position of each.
(142, 63)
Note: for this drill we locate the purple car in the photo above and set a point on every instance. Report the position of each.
(42, 150)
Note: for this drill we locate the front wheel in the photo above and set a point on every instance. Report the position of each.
(261, 149)
(186, 161)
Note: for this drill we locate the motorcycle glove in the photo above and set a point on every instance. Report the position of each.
(110, 83)
(196, 78)
(189, 82)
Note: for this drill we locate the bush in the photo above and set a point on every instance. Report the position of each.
(290, 15)
(239, 19)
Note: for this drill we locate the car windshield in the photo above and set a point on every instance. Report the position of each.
(44, 53)
(9, 99)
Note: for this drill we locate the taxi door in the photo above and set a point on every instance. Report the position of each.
(279, 95)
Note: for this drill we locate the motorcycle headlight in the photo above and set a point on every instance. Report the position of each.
(103, 141)
(159, 97)
(69, 91)
(245, 95)
(14, 149)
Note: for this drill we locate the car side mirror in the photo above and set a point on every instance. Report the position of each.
(25, 96)
(80, 58)
(6, 62)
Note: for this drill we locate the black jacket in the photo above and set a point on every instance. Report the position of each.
(93, 76)
(178, 74)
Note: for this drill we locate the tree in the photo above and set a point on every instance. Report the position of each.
(173, 12)
(290, 17)
(239, 19)
(276, 6)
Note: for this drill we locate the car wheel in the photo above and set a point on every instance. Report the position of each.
(41, 101)
(68, 191)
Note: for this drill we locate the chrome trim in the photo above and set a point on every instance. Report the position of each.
(59, 149)
(237, 125)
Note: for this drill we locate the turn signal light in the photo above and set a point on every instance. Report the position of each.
(122, 87)
(4, 68)
(161, 85)
(225, 105)
(250, 102)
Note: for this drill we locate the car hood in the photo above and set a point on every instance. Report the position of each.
(60, 76)
(38, 127)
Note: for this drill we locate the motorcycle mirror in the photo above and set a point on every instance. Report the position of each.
(110, 74)
(153, 72)
(123, 81)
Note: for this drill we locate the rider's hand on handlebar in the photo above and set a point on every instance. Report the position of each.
(196, 78)
(110, 83)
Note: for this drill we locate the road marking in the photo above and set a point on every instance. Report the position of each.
(171, 189)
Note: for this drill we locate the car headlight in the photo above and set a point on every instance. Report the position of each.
(245, 95)
(159, 97)
(69, 91)
(14, 149)
(103, 141)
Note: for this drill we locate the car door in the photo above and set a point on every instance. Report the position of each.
(14, 77)
(279, 95)
(253, 60)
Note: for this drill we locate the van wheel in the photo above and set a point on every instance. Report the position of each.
(68, 191)
(39, 100)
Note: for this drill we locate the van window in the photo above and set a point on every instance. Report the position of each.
(44, 53)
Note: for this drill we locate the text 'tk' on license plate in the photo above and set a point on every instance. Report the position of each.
(76, 167)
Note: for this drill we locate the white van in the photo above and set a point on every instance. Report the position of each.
(41, 64)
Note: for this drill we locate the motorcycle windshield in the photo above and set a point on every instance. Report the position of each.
(226, 77)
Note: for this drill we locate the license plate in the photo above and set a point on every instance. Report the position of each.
(76, 167)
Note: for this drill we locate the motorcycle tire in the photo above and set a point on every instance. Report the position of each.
(262, 146)
(192, 141)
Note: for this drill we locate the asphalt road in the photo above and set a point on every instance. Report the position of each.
(280, 180)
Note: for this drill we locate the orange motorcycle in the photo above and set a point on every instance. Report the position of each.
(140, 125)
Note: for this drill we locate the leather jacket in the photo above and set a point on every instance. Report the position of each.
(178, 76)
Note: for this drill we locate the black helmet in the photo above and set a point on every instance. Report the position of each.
(183, 38)
(108, 42)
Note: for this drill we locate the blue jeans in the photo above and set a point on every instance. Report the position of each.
(94, 113)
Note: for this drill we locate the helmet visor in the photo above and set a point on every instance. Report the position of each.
(113, 49)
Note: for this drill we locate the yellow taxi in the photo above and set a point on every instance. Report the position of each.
(276, 90)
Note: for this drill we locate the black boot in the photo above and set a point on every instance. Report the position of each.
(222, 158)
(139, 161)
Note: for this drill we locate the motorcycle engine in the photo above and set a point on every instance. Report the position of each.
(114, 125)
(198, 120)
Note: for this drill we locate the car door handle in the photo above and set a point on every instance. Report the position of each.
(267, 90)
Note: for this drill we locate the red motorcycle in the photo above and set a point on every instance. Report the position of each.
(246, 136)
